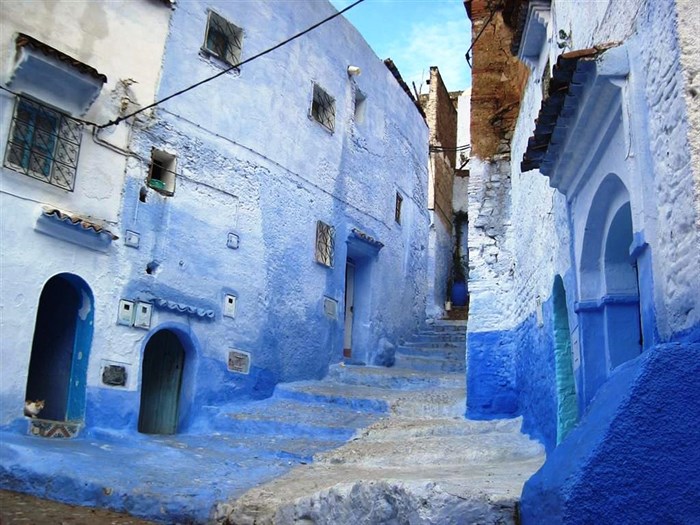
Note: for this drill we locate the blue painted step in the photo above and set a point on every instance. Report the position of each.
(458, 354)
(435, 337)
(357, 398)
(429, 364)
(393, 379)
(439, 344)
(292, 418)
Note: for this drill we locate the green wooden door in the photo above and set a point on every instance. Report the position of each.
(161, 377)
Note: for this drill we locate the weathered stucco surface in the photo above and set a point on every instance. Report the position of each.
(639, 147)
(105, 36)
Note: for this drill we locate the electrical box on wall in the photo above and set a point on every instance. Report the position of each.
(239, 361)
(126, 313)
(132, 239)
(230, 306)
(142, 317)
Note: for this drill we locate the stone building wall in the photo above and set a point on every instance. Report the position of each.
(541, 241)
(622, 132)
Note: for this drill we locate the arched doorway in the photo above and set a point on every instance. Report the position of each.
(622, 317)
(609, 313)
(567, 408)
(161, 382)
(61, 348)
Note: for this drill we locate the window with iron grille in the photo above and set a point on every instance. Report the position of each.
(44, 144)
(324, 243)
(323, 108)
(223, 39)
(397, 208)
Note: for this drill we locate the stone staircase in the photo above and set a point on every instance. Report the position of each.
(439, 348)
(416, 458)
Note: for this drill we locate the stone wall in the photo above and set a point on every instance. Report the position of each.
(497, 80)
(688, 31)
(441, 117)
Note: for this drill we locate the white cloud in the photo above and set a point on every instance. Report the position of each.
(434, 44)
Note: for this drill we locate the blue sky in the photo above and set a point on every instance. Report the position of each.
(417, 34)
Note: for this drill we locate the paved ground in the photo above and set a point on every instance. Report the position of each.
(21, 509)
(365, 446)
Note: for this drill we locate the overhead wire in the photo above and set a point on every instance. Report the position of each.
(231, 68)
(466, 55)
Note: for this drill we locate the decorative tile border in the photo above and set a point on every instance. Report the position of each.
(53, 429)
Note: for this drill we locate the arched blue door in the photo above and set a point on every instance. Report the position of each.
(161, 381)
(60, 348)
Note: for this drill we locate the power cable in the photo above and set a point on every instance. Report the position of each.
(238, 65)
(209, 79)
(444, 148)
(466, 55)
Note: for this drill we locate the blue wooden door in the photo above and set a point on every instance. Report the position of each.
(52, 348)
(161, 378)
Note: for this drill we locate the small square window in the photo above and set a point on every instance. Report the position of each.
(161, 175)
(324, 243)
(44, 144)
(397, 208)
(323, 108)
(223, 39)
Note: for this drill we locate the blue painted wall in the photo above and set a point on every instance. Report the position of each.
(633, 458)
(506, 378)
(252, 162)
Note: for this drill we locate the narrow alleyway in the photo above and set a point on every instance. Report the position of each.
(365, 445)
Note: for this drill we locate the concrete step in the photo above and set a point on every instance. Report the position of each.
(445, 325)
(429, 364)
(393, 378)
(293, 418)
(355, 397)
(438, 337)
(435, 344)
(458, 354)
(434, 404)
(467, 450)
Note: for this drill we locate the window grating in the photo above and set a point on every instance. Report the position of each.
(223, 39)
(323, 108)
(44, 144)
(324, 243)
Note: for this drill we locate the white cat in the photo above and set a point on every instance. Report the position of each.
(32, 408)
